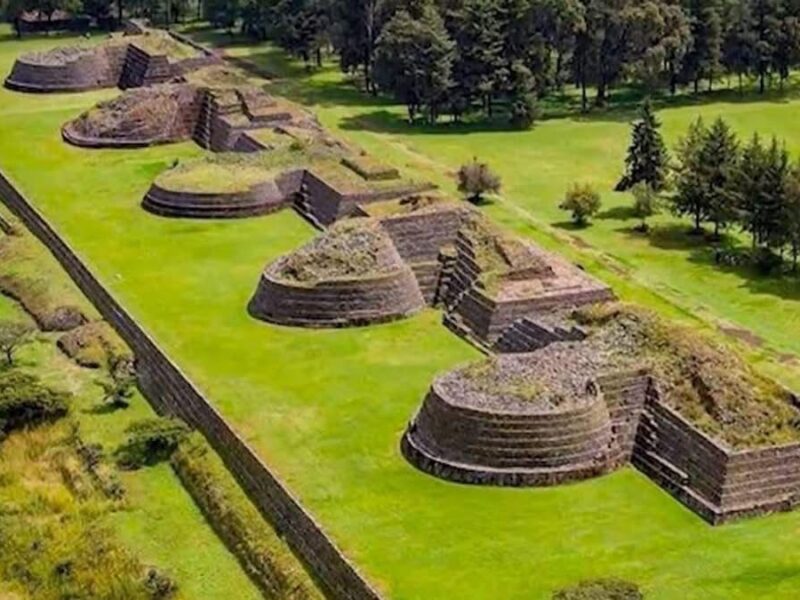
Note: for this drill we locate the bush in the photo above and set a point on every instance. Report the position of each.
(264, 556)
(150, 441)
(600, 589)
(583, 201)
(25, 401)
(476, 179)
(524, 111)
(645, 203)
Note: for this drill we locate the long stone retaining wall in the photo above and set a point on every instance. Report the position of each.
(171, 392)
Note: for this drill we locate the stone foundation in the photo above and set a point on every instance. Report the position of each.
(258, 200)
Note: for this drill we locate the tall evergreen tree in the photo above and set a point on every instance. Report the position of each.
(648, 158)
(703, 59)
(719, 159)
(689, 197)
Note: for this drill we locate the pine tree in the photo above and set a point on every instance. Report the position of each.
(791, 213)
(719, 158)
(647, 158)
(690, 198)
(702, 61)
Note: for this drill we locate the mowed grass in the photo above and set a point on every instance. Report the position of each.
(326, 409)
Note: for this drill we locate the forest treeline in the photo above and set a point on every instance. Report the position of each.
(463, 56)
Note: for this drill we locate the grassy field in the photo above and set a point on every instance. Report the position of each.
(326, 408)
(160, 523)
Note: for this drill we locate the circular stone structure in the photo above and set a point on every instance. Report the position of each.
(66, 69)
(349, 276)
(508, 422)
(211, 191)
(158, 114)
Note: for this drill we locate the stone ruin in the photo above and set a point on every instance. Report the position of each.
(351, 275)
(128, 61)
(686, 412)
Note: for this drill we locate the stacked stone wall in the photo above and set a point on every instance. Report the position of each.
(511, 449)
(528, 335)
(258, 200)
(342, 303)
(91, 70)
(171, 392)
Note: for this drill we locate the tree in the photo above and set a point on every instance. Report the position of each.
(476, 179)
(647, 158)
(414, 60)
(792, 214)
(645, 203)
(703, 59)
(583, 201)
(13, 335)
(719, 160)
(739, 42)
(524, 107)
(690, 198)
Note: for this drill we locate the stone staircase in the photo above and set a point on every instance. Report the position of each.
(527, 335)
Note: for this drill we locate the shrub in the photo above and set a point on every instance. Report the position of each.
(150, 441)
(38, 301)
(118, 391)
(25, 401)
(92, 345)
(264, 556)
(645, 203)
(583, 201)
(600, 589)
(13, 335)
(524, 111)
(476, 179)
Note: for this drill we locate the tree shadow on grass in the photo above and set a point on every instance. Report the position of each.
(701, 250)
(617, 213)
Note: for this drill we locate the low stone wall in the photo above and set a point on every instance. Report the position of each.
(171, 392)
(258, 200)
(470, 445)
(343, 303)
(91, 70)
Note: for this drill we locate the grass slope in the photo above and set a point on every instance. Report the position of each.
(326, 408)
(161, 524)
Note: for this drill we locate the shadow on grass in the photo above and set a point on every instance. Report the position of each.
(618, 213)
(703, 250)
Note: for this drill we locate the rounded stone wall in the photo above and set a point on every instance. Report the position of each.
(259, 199)
(490, 439)
(349, 276)
(61, 70)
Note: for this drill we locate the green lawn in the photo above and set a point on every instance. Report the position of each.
(326, 408)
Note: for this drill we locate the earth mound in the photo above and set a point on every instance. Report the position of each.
(511, 421)
(213, 189)
(159, 114)
(350, 275)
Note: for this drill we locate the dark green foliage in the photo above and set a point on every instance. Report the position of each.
(260, 550)
(150, 441)
(719, 161)
(583, 201)
(25, 401)
(601, 589)
(647, 159)
(476, 179)
(689, 198)
(414, 60)
(645, 203)
(121, 387)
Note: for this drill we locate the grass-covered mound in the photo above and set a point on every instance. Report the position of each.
(351, 249)
(413, 204)
(60, 55)
(705, 380)
(370, 168)
(142, 116)
(600, 589)
(93, 345)
(157, 42)
(212, 177)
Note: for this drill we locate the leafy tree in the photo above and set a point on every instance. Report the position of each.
(645, 203)
(583, 201)
(414, 60)
(476, 179)
(719, 160)
(25, 401)
(739, 42)
(703, 59)
(524, 106)
(689, 198)
(792, 214)
(13, 335)
(648, 158)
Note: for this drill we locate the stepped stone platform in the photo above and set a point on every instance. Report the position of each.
(496, 283)
(578, 409)
(259, 199)
(121, 61)
(349, 276)
(139, 117)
